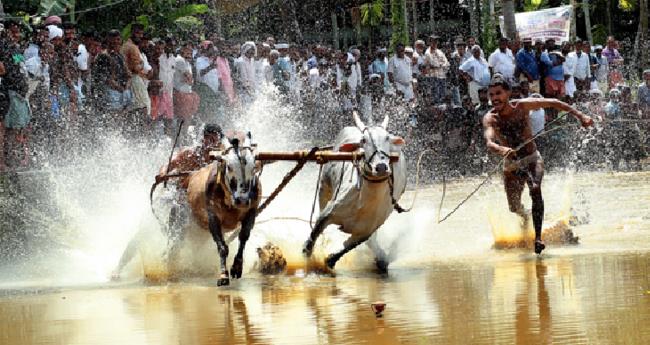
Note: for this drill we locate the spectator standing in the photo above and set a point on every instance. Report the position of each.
(582, 70)
(476, 71)
(614, 61)
(527, 65)
(400, 73)
(643, 94)
(186, 101)
(602, 68)
(569, 68)
(502, 61)
(437, 65)
(456, 82)
(554, 80)
(141, 105)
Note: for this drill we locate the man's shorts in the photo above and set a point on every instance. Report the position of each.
(513, 165)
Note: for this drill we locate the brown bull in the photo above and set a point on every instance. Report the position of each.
(226, 194)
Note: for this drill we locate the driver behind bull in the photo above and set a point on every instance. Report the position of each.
(186, 160)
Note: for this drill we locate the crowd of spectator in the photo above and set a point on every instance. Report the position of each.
(57, 84)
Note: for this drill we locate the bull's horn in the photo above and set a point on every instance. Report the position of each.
(357, 121)
(384, 124)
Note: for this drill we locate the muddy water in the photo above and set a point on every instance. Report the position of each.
(447, 284)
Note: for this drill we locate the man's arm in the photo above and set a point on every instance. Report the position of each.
(529, 104)
(491, 137)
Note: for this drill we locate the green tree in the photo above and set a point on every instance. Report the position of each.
(398, 22)
(371, 16)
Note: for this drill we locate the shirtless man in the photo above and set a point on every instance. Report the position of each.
(508, 133)
(186, 160)
(193, 158)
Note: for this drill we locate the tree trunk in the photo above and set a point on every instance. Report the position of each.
(414, 4)
(586, 10)
(406, 17)
(473, 17)
(344, 33)
(641, 43)
(335, 31)
(432, 20)
(572, 32)
(492, 8)
(217, 17)
(295, 27)
(609, 16)
(2, 11)
(510, 28)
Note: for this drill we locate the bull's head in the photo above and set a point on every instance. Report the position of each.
(377, 144)
(239, 174)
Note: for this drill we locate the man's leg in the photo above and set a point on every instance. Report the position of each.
(534, 181)
(514, 186)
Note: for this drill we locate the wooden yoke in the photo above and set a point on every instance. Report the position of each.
(320, 157)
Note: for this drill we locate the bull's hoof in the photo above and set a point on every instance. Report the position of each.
(223, 280)
(539, 246)
(382, 266)
(330, 262)
(236, 269)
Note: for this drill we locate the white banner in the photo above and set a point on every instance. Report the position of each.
(549, 23)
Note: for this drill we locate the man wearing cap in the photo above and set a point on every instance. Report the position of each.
(437, 65)
(284, 64)
(400, 73)
(502, 61)
(602, 65)
(527, 64)
(554, 80)
(63, 73)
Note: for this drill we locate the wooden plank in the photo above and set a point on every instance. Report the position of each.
(320, 156)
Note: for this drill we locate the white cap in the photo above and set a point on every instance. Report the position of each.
(54, 32)
(282, 46)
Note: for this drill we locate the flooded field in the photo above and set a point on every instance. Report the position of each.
(446, 282)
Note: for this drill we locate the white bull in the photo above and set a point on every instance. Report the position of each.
(359, 199)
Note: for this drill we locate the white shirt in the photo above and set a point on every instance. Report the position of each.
(582, 68)
(211, 79)
(31, 51)
(180, 69)
(503, 63)
(261, 72)
(246, 68)
(166, 73)
(401, 70)
(475, 68)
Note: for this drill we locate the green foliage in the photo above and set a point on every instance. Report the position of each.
(599, 33)
(372, 13)
(627, 5)
(535, 5)
(398, 23)
(187, 11)
(55, 7)
(489, 36)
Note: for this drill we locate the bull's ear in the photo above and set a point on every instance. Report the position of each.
(349, 147)
(396, 140)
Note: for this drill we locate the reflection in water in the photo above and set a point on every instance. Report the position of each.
(516, 299)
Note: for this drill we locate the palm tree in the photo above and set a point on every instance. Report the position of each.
(508, 8)
(371, 16)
